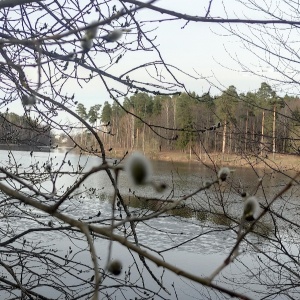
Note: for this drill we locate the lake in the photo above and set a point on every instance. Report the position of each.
(195, 236)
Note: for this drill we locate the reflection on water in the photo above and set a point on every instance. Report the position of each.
(195, 236)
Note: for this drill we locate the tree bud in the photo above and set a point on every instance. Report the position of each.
(91, 33)
(28, 100)
(115, 267)
(138, 167)
(251, 208)
(115, 35)
(86, 44)
(223, 173)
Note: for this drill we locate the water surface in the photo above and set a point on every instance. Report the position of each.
(190, 237)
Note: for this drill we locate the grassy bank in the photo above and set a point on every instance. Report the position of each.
(281, 162)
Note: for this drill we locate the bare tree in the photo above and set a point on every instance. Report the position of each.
(57, 209)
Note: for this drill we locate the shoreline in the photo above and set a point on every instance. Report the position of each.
(278, 162)
(282, 162)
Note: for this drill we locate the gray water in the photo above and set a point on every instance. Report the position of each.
(187, 238)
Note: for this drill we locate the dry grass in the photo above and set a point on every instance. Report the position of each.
(283, 162)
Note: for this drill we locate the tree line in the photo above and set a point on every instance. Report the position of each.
(258, 122)
(23, 130)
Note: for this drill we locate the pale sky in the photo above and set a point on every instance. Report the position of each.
(197, 49)
(200, 49)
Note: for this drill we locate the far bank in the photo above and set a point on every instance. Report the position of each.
(283, 162)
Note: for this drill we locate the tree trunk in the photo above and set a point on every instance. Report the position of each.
(286, 132)
(229, 150)
(81, 136)
(224, 139)
(253, 145)
(132, 132)
(144, 138)
(215, 144)
(174, 112)
(136, 140)
(168, 124)
(274, 131)
(262, 133)
(246, 131)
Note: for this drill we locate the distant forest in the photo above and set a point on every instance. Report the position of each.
(23, 131)
(259, 122)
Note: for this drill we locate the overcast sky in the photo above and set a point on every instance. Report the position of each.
(200, 49)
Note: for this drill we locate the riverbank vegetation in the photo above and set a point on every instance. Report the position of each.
(21, 131)
(258, 123)
(231, 128)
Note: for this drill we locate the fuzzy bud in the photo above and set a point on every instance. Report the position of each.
(28, 100)
(223, 173)
(160, 187)
(138, 167)
(114, 35)
(48, 168)
(243, 194)
(86, 43)
(115, 267)
(91, 33)
(251, 208)
(207, 184)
